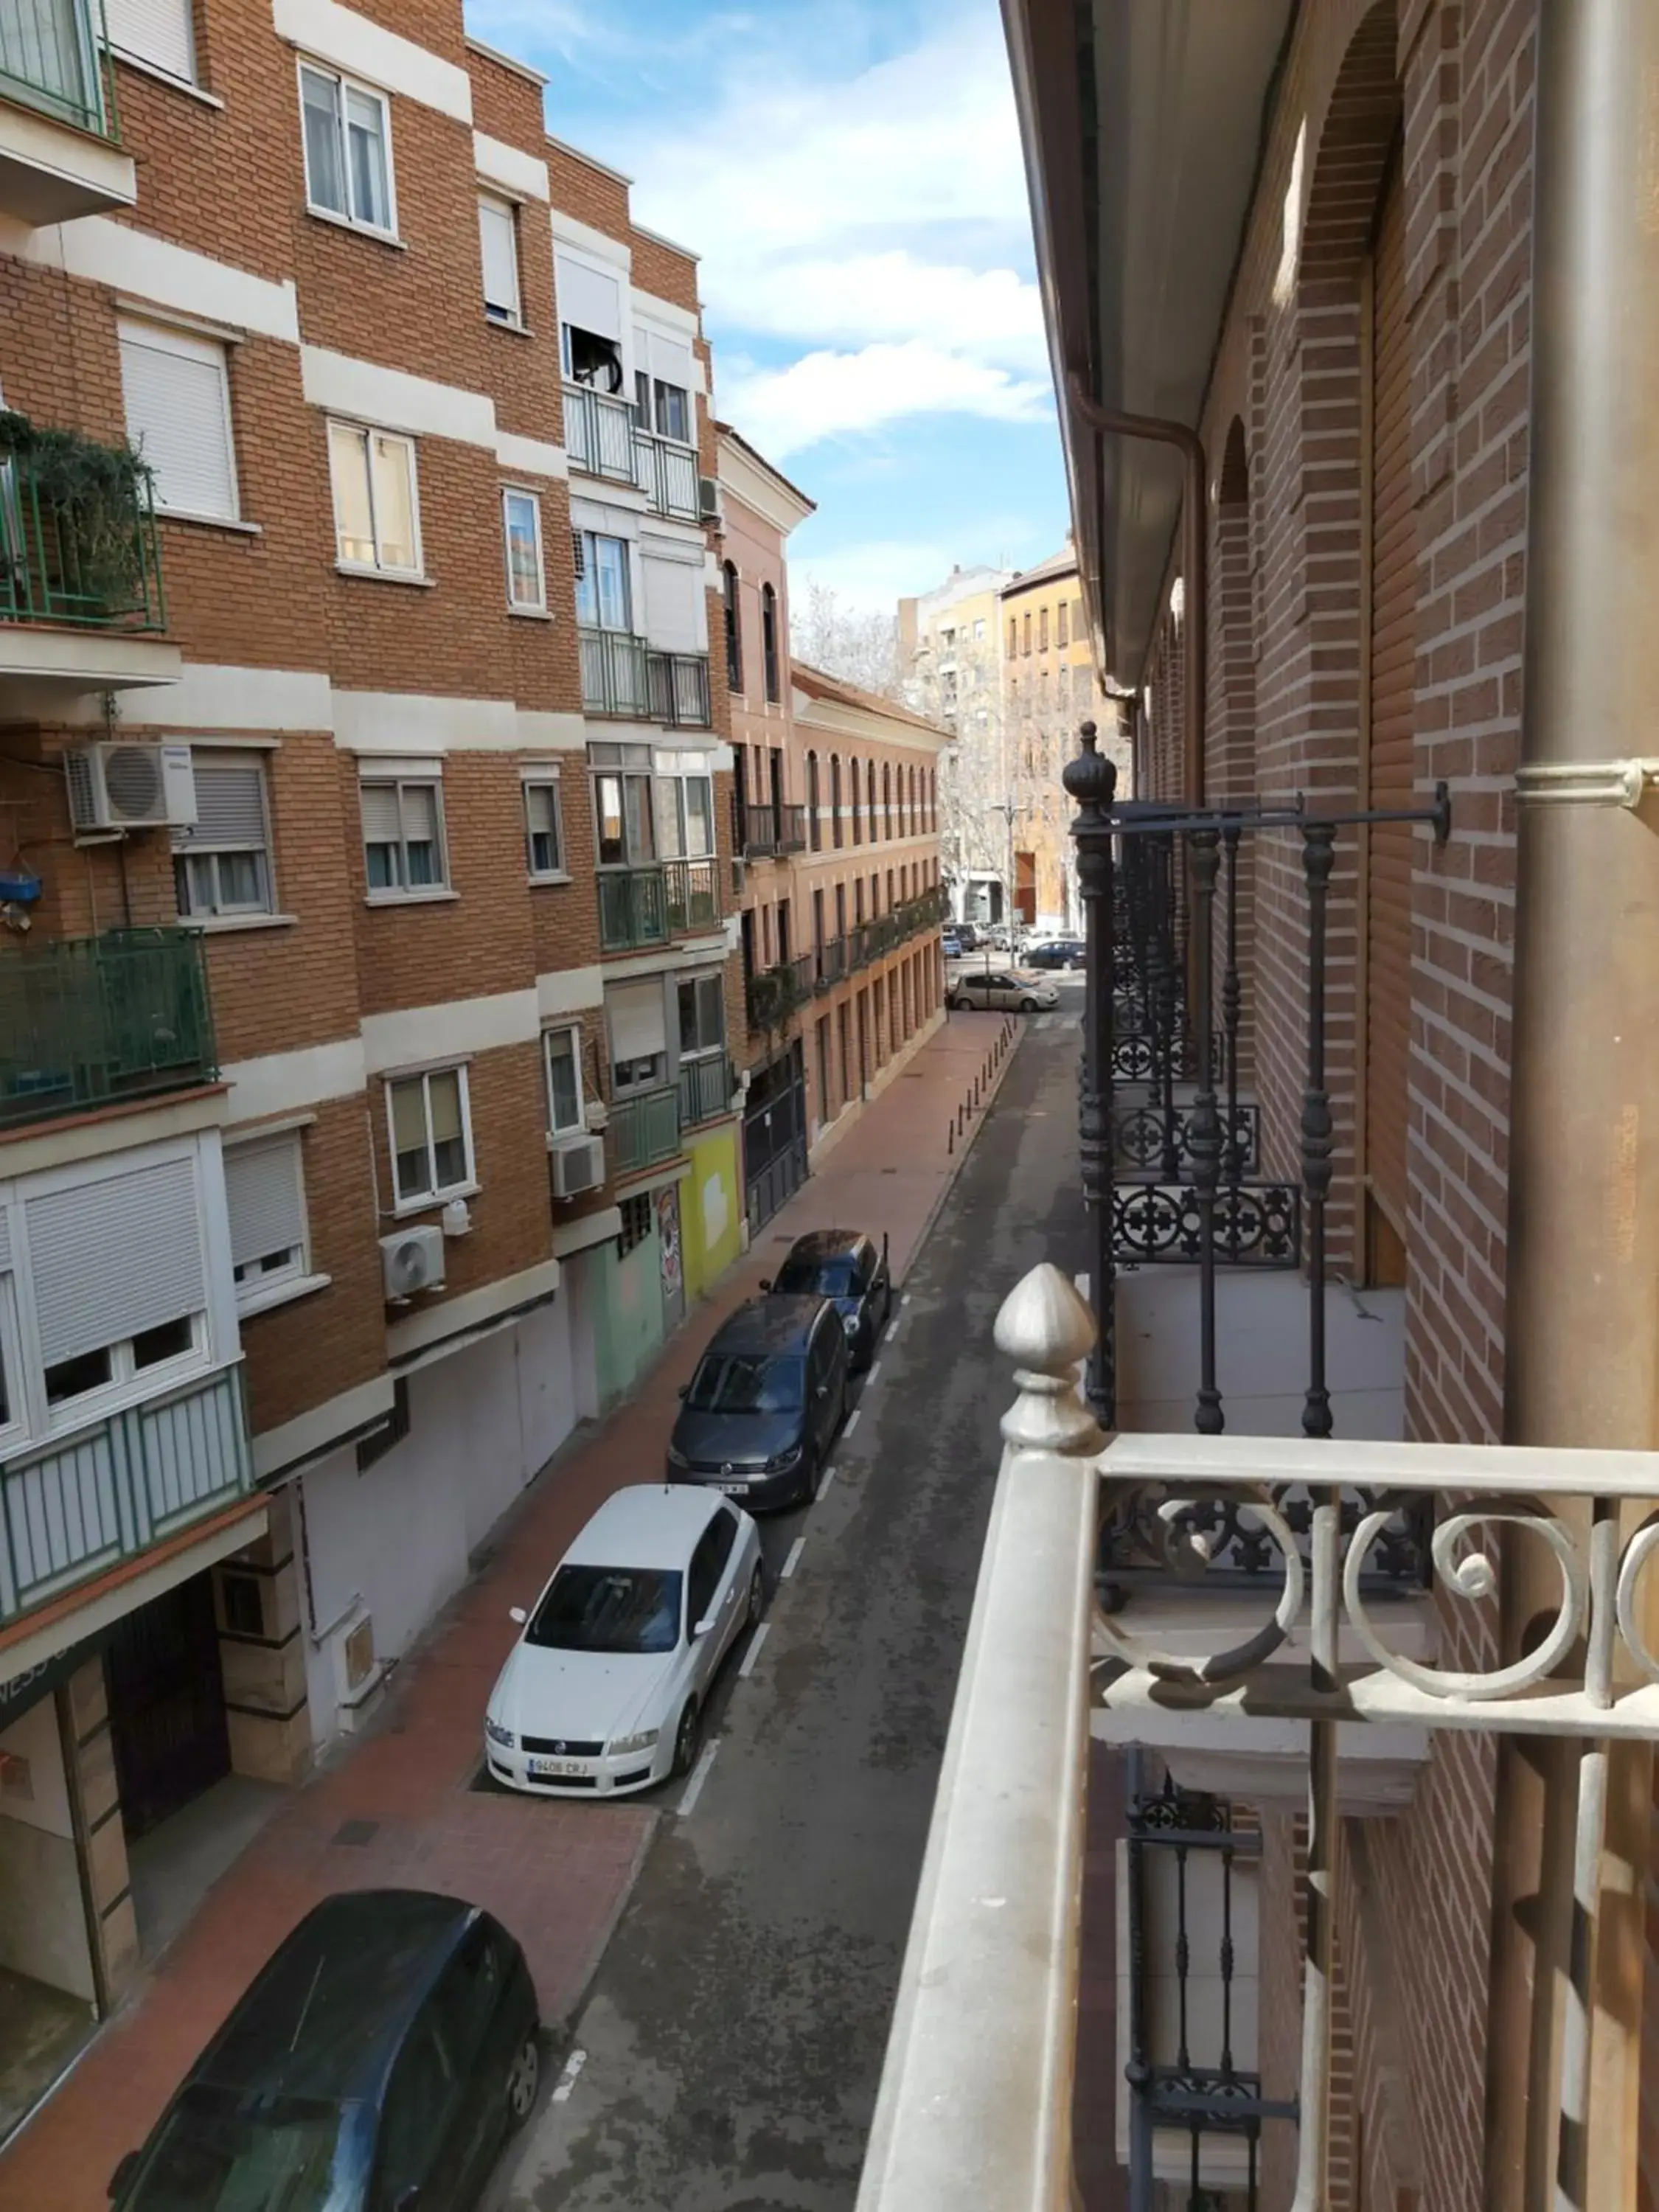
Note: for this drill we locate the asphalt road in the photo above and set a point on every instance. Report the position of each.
(727, 2058)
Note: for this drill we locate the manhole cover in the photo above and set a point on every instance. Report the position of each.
(356, 1831)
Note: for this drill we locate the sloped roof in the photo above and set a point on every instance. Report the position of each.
(1063, 563)
(817, 685)
(726, 431)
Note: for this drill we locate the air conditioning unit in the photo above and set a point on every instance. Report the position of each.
(119, 786)
(578, 1165)
(709, 500)
(412, 1259)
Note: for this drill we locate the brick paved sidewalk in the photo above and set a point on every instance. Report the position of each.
(395, 1807)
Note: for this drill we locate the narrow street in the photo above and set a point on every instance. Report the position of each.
(729, 2051)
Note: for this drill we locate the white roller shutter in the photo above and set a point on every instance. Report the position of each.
(589, 298)
(498, 236)
(115, 1256)
(382, 824)
(156, 31)
(671, 361)
(179, 416)
(265, 1196)
(230, 803)
(639, 1027)
(676, 611)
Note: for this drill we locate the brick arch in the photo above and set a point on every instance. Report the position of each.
(1230, 771)
(1355, 141)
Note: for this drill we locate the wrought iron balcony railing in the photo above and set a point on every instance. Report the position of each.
(54, 56)
(599, 434)
(644, 1129)
(668, 476)
(614, 675)
(91, 1022)
(777, 993)
(678, 687)
(705, 1089)
(87, 557)
(832, 963)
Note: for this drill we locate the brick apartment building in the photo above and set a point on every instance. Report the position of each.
(836, 820)
(1324, 259)
(371, 990)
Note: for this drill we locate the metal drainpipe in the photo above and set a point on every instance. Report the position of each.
(1581, 1350)
(1113, 423)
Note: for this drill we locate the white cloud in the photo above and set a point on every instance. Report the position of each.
(829, 394)
(873, 576)
(896, 296)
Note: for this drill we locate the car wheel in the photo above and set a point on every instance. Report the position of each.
(689, 1742)
(1028, 1006)
(756, 1600)
(522, 2081)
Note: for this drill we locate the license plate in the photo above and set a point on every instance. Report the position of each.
(733, 1489)
(557, 1769)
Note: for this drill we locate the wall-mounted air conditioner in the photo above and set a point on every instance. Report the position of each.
(411, 1260)
(578, 1165)
(709, 500)
(116, 786)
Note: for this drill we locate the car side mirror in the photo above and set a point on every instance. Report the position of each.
(703, 1626)
(516, 1613)
(823, 1391)
(766, 1282)
(681, 1392)
(123, 2174)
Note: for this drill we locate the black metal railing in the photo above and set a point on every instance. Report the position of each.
(831, 963)
(766, 826)
(93, 1021)
(775, 993)
(705, 1089)
(614, 677)
(678, 686)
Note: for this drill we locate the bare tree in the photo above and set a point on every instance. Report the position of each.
(977, 770)
(860, 647)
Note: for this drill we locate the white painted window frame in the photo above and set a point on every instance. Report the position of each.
(440, 1195)
(217, 913)
(544, 780)
(344, 82)
(573, 1031)
(405, 893)
(279, 1285)
(538, 604)
(187, 340)
(111, 1397)
(366, 431)
(509, 207)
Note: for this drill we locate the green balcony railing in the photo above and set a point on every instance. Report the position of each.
(692, 889)
(85, 553)
(632, 908)
(54, 56)
(775, 993)
(91, 1022)
(705, 1089)
(643, 1130)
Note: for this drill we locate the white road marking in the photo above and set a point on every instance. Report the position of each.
(793, 1560)
(573, 2067)
(871, 1375)
(699, 1775)
(852, 1420)
(829, 1477)
(753, 1653)
(905, 1300)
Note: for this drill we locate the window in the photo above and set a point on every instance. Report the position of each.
(662, 407)
(604, 598)
(402, 834)
(416, 2117)
(770, 641)
(685, 806)
(521, 527)
(709, 1567)
(637, 1216)
(376, 511)
(979, 630)
(886, 799)
(1043, 629)
(165, 1346)
(565, 1114)
(814, 827)
(623, 813)
(348, 149)
(264, 1193)
(858, 819)
(733, 634)
(1061, 618)
(543, 830)
(498, 240)
(154, 31)
(177, 390)
(431, 1139)
(1013, 636)
(835, 798)
(703, 1016)
(221, 861)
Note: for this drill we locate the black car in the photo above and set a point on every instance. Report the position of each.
(843, 1266)
(1054, 952)
(376, 2064)
(764, 1407)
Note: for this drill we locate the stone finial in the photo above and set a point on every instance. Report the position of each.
(1046, 1329)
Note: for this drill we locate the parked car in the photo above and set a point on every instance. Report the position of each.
(843, 1266)
(951, 945)
(1000, 989)
(763, 1408)
(604, 1692)
(376, 2062)
(1054, 952)
(968, 935)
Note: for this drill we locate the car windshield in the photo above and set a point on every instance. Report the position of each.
(747, 1382)
(615, 1609)
(822, 1278)
(226, 2150)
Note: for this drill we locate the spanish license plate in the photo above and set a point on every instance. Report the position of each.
(733, 1489)
(557, 1769)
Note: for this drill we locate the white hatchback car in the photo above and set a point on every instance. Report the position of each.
(997, 990)
(604, 1690)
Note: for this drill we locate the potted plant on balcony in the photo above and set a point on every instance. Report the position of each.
(81, 503)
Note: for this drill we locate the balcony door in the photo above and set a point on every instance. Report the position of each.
(605, 598)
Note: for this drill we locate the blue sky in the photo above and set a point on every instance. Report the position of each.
(849, 171)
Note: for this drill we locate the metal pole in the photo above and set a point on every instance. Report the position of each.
(1318, 857)
(1581, 1336)
(1092, 779)
(1204, 1129)
(1313, 2155)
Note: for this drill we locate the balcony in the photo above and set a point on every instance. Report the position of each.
(95, 1022)
(775, 993)
(678, 686)
(115, 1490)
(668, 476)
(614, 678)
(643, 1130)
(705, 1089)
(771, 826)
(60, 152)
(642, 907)
(599, 434)
(832, 964)
(81, 596)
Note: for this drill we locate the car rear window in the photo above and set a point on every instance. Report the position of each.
(748, 1382)
(612, 1609)
(225, 2150)
(822, 1278)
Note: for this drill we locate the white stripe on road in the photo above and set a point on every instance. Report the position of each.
(699, 1775)
(753, 1652)
(793, 1559)
(851, 1421)
(905, 1300)
(871, 1375)
(573, 2067)
(829, 1477)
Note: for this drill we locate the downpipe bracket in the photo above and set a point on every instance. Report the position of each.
(1585, 783)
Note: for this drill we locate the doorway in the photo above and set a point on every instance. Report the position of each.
(167, 1705)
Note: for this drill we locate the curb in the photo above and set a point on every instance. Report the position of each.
(959, 1159)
